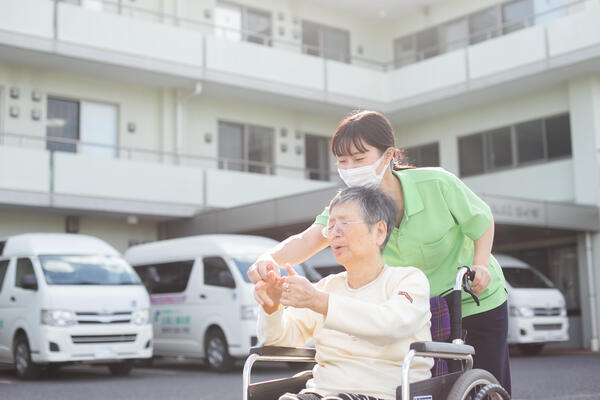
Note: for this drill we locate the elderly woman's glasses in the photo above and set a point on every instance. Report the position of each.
(338, 226)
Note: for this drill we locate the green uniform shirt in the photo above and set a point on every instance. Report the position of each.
(442, 218)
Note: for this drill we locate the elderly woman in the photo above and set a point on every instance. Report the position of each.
(362, 320)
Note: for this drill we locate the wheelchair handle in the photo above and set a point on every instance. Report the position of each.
(463, 276)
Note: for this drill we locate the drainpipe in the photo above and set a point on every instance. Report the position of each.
(181, 99)
(592, 289)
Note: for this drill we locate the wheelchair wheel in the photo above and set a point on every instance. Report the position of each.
(492, 391)
(471, 383)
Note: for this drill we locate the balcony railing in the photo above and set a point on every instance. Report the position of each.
(164, 157)
(121, 8)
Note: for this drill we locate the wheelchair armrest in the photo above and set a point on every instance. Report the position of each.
(278, 351)
(442, 348)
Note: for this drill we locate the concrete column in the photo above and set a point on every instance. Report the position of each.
(449, 154)
(584, 107)
(167, 131)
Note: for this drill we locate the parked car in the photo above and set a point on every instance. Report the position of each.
(202, 301)
(70, 298)
(537, 310)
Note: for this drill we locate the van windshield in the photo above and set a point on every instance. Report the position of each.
(87, 270)
(526, 278)
(244, 263)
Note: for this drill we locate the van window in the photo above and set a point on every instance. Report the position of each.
(217, 273)
(24, 267)
(3, 268)
(2, 244)
(525, 278)
(169, 277)
(87, 270)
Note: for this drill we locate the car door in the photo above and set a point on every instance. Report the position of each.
(219, 297)
(5, 313)
(23, 302)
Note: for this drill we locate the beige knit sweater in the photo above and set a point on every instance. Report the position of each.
(366, 334)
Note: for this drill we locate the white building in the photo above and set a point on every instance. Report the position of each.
(134, 120)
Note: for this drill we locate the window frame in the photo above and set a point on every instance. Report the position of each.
(322, 174)
(3, 277)
(419, 149)
(269, 166)
(227, 267)
(321, 28)
(16, 281)
(514, 146)
(161, 263)
(244, 33)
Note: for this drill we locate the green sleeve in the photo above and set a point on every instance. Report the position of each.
(323, 218)
(470, 212)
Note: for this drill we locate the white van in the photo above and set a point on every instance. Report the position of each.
(537, 310)
(202, 301)
(66, 298)
(537, 313)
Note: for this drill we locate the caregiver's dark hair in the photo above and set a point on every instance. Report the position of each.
(374, 206)
(366, 127)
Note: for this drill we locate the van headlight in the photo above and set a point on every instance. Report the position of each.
(140, 317)
(58, 318)
(249, 312)
(521, 311)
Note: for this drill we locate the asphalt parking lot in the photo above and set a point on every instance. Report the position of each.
(556, 375)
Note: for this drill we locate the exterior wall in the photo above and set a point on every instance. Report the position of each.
(202, 115)
(448, 127)
(114, 231)
(141, 105)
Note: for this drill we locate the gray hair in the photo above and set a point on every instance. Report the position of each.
(373, 204)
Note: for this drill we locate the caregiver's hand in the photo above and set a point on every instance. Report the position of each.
(482, 278)
(300, 293)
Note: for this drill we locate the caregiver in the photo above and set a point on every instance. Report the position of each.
(441, 226)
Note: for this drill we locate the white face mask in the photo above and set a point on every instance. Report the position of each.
(363, 176)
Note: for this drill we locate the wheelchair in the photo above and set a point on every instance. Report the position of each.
(453, 376)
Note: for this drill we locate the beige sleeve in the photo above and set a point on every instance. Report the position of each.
(289, 326)
(404, 313)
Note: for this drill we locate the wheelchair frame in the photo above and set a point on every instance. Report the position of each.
(456, 350)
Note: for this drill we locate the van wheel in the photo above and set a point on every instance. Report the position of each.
(215, 348)
(121, 369)
(26, 369)
(531, 349)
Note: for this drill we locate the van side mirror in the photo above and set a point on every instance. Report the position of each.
(28, 281)
(226, 279)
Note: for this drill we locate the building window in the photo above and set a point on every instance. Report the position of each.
(558, 136)
(516, 15)
(530, 141)
(316, 156)
(82, 126)
(324, 41)
(427, 155)
(520, 144)
(245, 148)
(484, 25)
(499, 148)
(405, 51)
(62, 129)
(235, 22)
